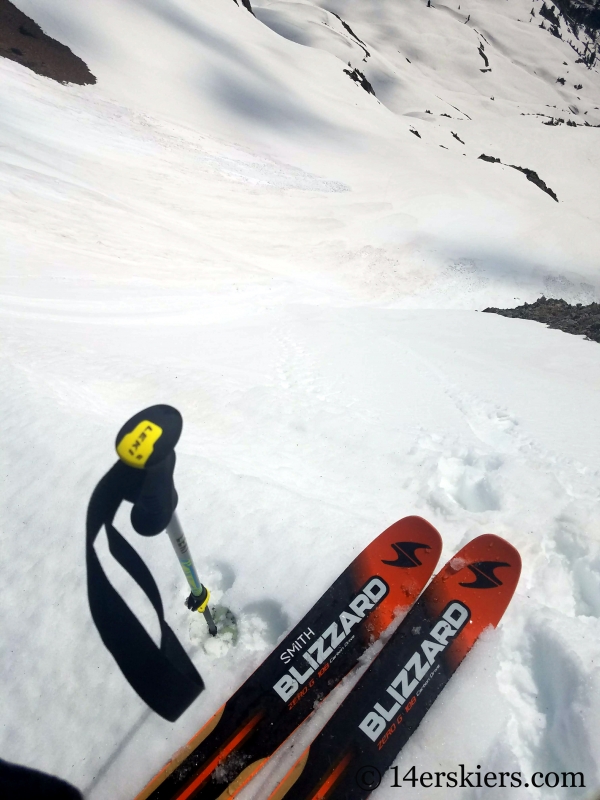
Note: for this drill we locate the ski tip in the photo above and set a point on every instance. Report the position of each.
(405, 556)
(481, 578)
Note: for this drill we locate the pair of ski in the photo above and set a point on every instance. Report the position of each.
(361, 740)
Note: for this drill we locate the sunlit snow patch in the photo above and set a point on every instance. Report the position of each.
(266, 172)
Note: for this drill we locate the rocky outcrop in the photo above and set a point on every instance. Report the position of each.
(585, 13)
(22, 40)
(578, 319)
(530, 174)
(583, 18)
(360, 78)
(246, 4)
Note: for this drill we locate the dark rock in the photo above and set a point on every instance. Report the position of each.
(550, 14)
(577, 319)
(358, 77)
(581, 12)
(483, 55)
(23, 41)
(246, 4)
(529, 173)
(535, 178)
(354, 36)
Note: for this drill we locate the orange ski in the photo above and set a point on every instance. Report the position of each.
(348, 758)
(380, 584)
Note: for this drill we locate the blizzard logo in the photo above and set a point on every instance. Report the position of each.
(361, 606)
(452, 621)
(484, 575)
(288, 654)
(405, 554)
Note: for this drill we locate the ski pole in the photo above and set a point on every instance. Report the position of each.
(147, 443)
(198, 600)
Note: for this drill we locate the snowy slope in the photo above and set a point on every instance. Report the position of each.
(228, 223)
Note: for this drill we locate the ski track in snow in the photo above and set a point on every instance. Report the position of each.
(527, 701)
(548, 725)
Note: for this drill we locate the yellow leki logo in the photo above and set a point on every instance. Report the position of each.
(135, 448)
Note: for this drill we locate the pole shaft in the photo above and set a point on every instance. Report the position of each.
(180, 545)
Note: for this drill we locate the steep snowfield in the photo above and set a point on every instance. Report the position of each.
(226, 222)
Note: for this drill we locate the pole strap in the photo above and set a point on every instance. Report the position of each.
(164, 677)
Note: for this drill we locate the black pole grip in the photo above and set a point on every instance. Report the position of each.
(157, 499)
(146, 444)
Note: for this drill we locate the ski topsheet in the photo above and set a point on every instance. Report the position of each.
(382, 582)
(349, 757)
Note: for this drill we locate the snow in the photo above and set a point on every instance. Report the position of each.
(228, 224)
